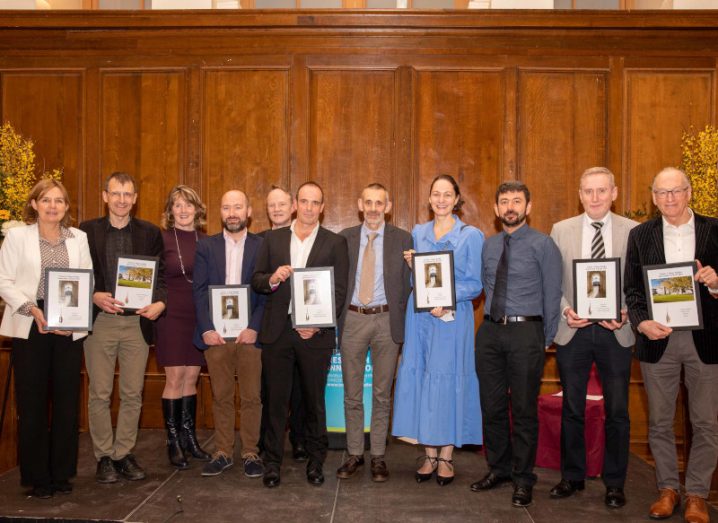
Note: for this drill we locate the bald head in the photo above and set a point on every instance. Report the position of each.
(671, 173)
(672, 194)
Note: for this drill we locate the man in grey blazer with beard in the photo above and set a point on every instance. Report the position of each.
(597, 233)
(377, 292)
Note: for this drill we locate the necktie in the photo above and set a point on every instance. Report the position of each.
(366, 280)
(598, 250)
(498, 300)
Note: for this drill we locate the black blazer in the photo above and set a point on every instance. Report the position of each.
(146, 241)
(645, 247)
(210, 269)
(397, 275)
(329, 250)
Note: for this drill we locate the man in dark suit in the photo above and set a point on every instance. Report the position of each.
(119, 335)
(304, 244)
(280, 207)
(678, 236)
(228, 258)
(597, 233)
(379, 286)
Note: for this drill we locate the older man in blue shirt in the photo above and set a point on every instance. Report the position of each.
(521, 273)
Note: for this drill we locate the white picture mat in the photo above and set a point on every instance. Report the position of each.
(313, 297)
(68, 311)
(229, 321)
(674, 306)
(597, 302)
(142, 272)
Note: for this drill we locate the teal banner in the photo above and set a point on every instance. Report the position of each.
(334, 395)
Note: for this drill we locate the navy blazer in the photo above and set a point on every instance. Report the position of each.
(645, 247)
(210, 269)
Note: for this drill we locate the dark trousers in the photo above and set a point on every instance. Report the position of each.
(509, 364)
(278, 362)
(47, 367)
(594, 343)
(297, 434)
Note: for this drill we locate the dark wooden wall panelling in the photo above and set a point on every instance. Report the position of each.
(250, 99)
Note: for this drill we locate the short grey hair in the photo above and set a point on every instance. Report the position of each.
(598, 170)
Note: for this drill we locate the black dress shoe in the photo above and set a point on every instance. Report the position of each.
(489, 481)
(615, 498)
(299, 453)
(40, 492)
(315, 476)
(522, 496)
(62, 486)
(271, 477)
(566, 488)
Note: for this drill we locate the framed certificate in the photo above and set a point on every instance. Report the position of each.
(313, 297)
(68, 299)
(597, 289)
(433, 280)
(229, 309)
(673, 295)
(135, 281)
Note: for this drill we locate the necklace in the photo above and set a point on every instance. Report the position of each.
(179, 253)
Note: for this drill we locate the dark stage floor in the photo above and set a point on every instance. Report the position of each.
(169, 495)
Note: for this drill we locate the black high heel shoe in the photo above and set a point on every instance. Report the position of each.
(445, 480)
(421, 477)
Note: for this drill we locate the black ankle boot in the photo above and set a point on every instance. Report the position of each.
(172, 411)
(188, 438)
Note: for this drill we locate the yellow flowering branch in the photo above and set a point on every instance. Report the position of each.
(700, 163)
(17, 173)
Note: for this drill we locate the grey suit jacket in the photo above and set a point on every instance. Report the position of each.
(568, 236)
(397, 281)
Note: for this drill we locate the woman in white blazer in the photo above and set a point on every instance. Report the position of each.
(46, 363)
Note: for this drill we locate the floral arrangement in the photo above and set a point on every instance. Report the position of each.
(17, 176)
(700, 163)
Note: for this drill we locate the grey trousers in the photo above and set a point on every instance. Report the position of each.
(360, 332)
(662, 381)
(115, 339)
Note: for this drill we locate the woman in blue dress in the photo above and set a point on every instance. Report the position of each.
(436, 401)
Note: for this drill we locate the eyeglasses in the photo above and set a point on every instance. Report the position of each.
(601, 191)
(663, 193)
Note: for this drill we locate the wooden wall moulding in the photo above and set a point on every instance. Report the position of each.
(247, 99)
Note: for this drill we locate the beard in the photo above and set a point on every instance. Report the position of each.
(513, 219)
(238, 226)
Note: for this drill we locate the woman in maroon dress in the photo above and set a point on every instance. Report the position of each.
(182, 218)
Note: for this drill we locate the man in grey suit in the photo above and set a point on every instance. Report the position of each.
(378, 288)
(598, 233)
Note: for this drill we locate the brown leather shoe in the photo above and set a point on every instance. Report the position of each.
(666, 504)
(696, 510)
(350, 466)
(379, 472)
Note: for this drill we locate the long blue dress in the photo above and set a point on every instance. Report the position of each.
(436, 400)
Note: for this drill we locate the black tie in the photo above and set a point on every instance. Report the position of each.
(498, 300)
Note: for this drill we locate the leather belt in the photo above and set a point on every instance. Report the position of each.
(513, 319)
(369, 310)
